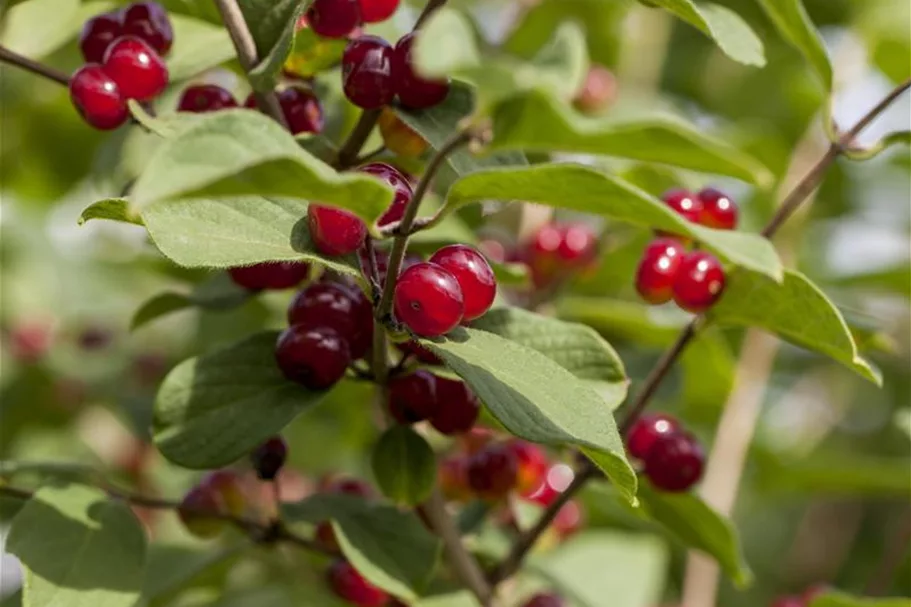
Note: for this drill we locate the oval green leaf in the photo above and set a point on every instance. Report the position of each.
(795, 26)
(404, 466)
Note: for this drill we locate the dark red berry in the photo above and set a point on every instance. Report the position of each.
(269, 458)
(274, 276)
(205, 98)
(413, 397)
(399, 184)
(428, 299)
(675, 462)
(414, 91)
(578, 245)
(699, 282)
(419, 352)
(302, 110)
(475, 276)
(541, 254)
(136, 68)
(647, 431)
(97, 98)
(374, 11)
(334, 18)
(684, 202)
(493, 471)
(545, 599)
(149, 21)
(334, 305)
(457, 407)
(315, 357)
(335, 231)
(350, 585)
(532, 464)
(718, 210)
(367, 72)
(250, 102)
(789, 601)
(195, 505)
(346, 486)
(659, 266)
(97, 35)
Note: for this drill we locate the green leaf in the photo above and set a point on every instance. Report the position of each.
(696, 525)
(79, 549)
(838, 599)
(404, 466)
(39, 27)
(311, 53)
(797, 311)
(244, 153)
(115, 209)
(894, 279)
(575, 347)
(437, 124)
(536, 122)
(537, 399)
(198, 46)
(579, 188)
(218, 293)
(271, 23)
(792, 20)
(839, 475)
(212, 410)
(455, 599)
(731, 33)
(171, 567)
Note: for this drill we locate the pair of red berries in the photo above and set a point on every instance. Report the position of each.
(709, 207)
(340, 18)
(330, 325)
(673, 458)
(123, 52)
(557, 248)
(449, 404)
(302, 110)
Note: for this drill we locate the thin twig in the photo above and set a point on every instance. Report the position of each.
(370, 155)
(347, 155)
(431, 7)
(8, 56)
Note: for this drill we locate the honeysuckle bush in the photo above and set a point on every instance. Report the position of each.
(138, 370)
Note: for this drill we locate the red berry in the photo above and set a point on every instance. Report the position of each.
(475, 276)
(269, 458)
(194, 506)
(457, 407)
(493, 471)
(274, 276)
(334, 18)
(453, 476)
(545, 599)
(559, 477)
(97, 98)
(413, 398)
(301, 109)
(333, 305)
(532, 461)
(205, 98)
(675, 462)
(367, 72)
(98, 33)
(229, 488)
(136, 68)
(313, 356)
(718, 211)
(647, 431)
(419, 352)
(399, 184)
(684, 202)
(428, 299)
(578, 245)
(789, 601)
(657, 270)
(374, 11)
(350, 585)
(346, 486)
(541, 254)
(335, 231)
(699, 282)
(149, 21)
(414, 91)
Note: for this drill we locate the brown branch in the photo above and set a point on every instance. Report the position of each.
(54, 75)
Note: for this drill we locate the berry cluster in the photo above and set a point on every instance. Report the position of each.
(448, 404)
(123, 52)
(693, 279)
(557, 248)
(673, 459)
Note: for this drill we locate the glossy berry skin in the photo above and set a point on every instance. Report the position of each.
(699, 282)
(545, 599)
(302, 110)
(684, 202)
(97, 35)
(428, 299)
(351, 586)
(419, 352)
(149, 22)
(334, 305)
(558, 478)
(413, 397)
(457, 407)
(367, 72)
(492, 471)
(648, 431)
(97, 98)
(136, 68)
(334, 18)
(532, 464)
(272, 276)
(578, 245)
(675, 462)
(315, 357)
(335, 231)
(269, 458)
(192, 512)
(659, 266)
(400, 138)
(205, 98)
(414, 91)
(475, 276)
(718, 210)
(392, 177)
(374, 11)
